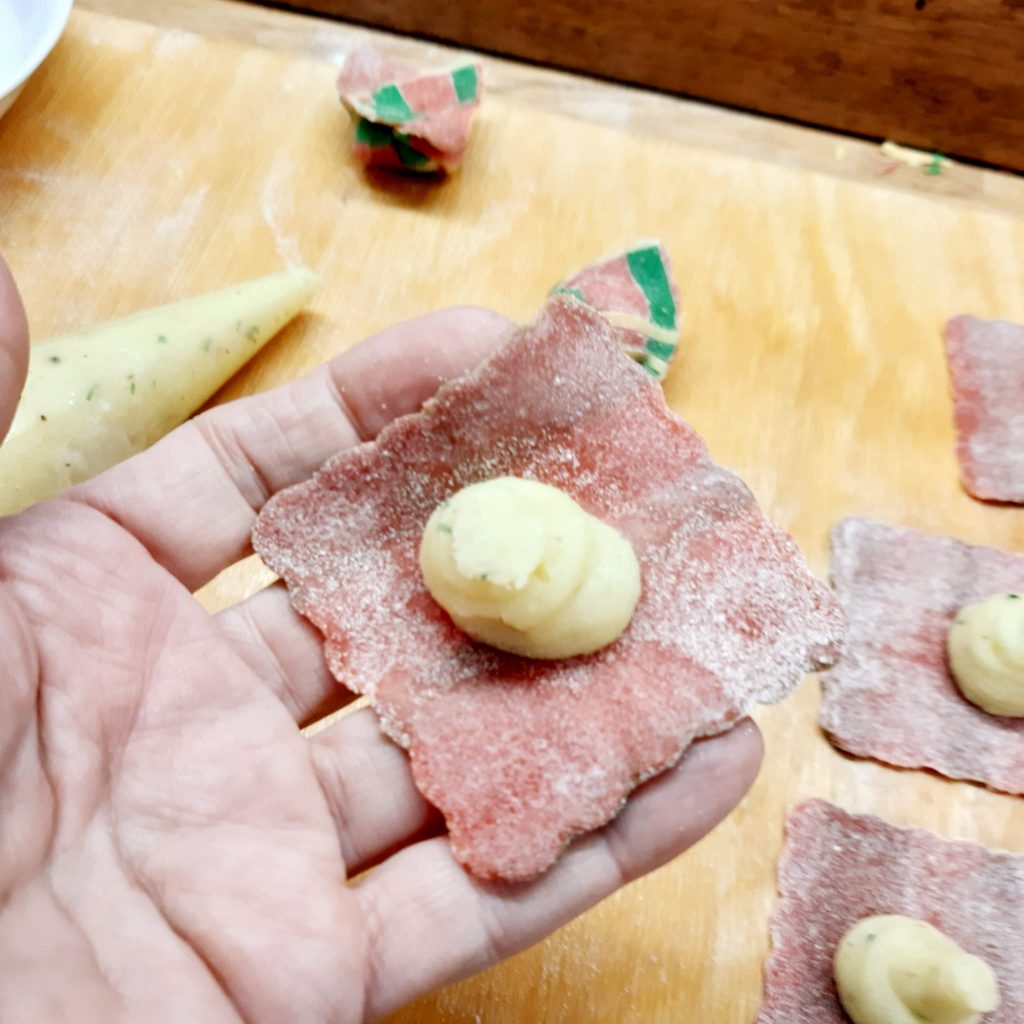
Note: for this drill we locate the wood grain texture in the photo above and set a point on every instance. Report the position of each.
(635, 110)
(939, 74)
(143, 165)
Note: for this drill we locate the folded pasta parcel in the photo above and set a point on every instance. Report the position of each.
(636, 292)
(406, 119)
(622, 657)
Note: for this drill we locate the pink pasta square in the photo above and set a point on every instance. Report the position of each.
(520, 755)
(892, 697)
(986, 365)
(838, 868)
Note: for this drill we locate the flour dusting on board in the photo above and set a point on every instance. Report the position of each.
(276, 203)
(174, 43)
(116, 35)
(176, 226)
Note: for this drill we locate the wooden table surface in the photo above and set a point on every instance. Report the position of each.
(938, 75)
(144, 164)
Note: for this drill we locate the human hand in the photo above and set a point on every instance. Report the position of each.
(172, 847)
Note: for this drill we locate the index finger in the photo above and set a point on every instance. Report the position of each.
(192, 498)
(13, 347)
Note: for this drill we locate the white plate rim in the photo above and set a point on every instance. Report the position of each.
(30, 63)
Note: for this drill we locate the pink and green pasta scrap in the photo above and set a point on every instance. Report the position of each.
(407, 119)
(636, 293)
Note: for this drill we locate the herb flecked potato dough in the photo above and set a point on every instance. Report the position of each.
(892, 969)
(94, 398)
(519, 565)
(986, 654)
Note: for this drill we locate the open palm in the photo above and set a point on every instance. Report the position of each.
(172, 846)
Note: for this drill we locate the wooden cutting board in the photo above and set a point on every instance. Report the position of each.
(143, 165)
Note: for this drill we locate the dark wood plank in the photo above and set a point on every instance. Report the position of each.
(946, 75)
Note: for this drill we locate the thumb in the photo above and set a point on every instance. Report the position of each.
(13, 347)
